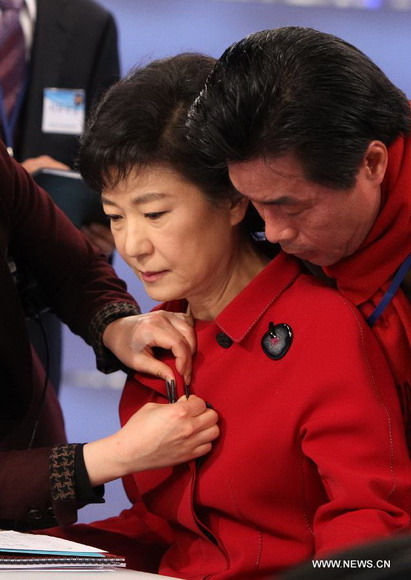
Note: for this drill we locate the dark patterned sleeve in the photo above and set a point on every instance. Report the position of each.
(70, 486)
(62, 472)
(106, 361)
(62, 482)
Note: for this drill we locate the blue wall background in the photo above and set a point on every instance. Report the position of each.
(156, 28)
(151, 29)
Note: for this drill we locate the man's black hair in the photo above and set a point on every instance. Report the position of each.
(297, 91)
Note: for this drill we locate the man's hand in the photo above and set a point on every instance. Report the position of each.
(158, 435)
(130, 339)
(42, 162)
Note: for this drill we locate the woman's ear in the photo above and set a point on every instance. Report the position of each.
(238, 209)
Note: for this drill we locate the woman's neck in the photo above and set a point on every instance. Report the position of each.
(240, 268)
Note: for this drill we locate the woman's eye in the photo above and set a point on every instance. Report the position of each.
(154, 215)
(113, 217)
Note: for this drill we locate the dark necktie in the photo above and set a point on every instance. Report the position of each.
(12, 53)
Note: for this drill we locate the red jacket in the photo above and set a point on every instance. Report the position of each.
(311, 456)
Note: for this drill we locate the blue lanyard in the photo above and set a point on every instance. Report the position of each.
(8, 124)
(388, 296)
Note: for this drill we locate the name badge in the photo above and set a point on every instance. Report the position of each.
(64, 111)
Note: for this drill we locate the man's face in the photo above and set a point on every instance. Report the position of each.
(315, 223)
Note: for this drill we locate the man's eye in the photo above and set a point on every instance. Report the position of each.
(295, 212)
(154, 215)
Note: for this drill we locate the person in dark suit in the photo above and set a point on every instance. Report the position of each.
(72, 45)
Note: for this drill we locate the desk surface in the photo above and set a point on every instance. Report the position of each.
(107, 574)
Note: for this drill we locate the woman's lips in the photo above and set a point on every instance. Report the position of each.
(152, 276)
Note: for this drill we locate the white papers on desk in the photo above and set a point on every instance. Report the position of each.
(19, 550)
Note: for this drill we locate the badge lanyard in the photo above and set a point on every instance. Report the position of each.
(388, 296)
(8, 124)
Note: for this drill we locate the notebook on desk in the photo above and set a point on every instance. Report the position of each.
(39, 552)
(69, 191)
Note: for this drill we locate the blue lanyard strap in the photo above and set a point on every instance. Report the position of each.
(388, 296)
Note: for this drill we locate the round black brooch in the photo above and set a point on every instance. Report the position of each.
(277, 340)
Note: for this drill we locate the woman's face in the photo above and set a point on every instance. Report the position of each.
(177, 242)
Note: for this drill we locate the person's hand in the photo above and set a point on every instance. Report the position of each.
(42, 162)
(158, 435)
(130, 339)
(101, 236)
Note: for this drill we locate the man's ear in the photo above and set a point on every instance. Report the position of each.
(376, 160)
(238, 209)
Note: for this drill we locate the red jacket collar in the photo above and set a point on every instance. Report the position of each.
(242, 313)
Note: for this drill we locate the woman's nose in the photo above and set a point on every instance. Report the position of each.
(137, 244)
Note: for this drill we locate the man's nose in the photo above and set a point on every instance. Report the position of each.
(278, 231)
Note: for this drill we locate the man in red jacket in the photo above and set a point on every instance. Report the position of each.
(317, 137)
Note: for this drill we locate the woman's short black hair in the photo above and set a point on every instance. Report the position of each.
(141, 121)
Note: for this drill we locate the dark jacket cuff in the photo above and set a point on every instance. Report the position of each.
(85, 493)
(106, 361)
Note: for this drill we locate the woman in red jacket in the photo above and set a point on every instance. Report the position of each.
(311, 456)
